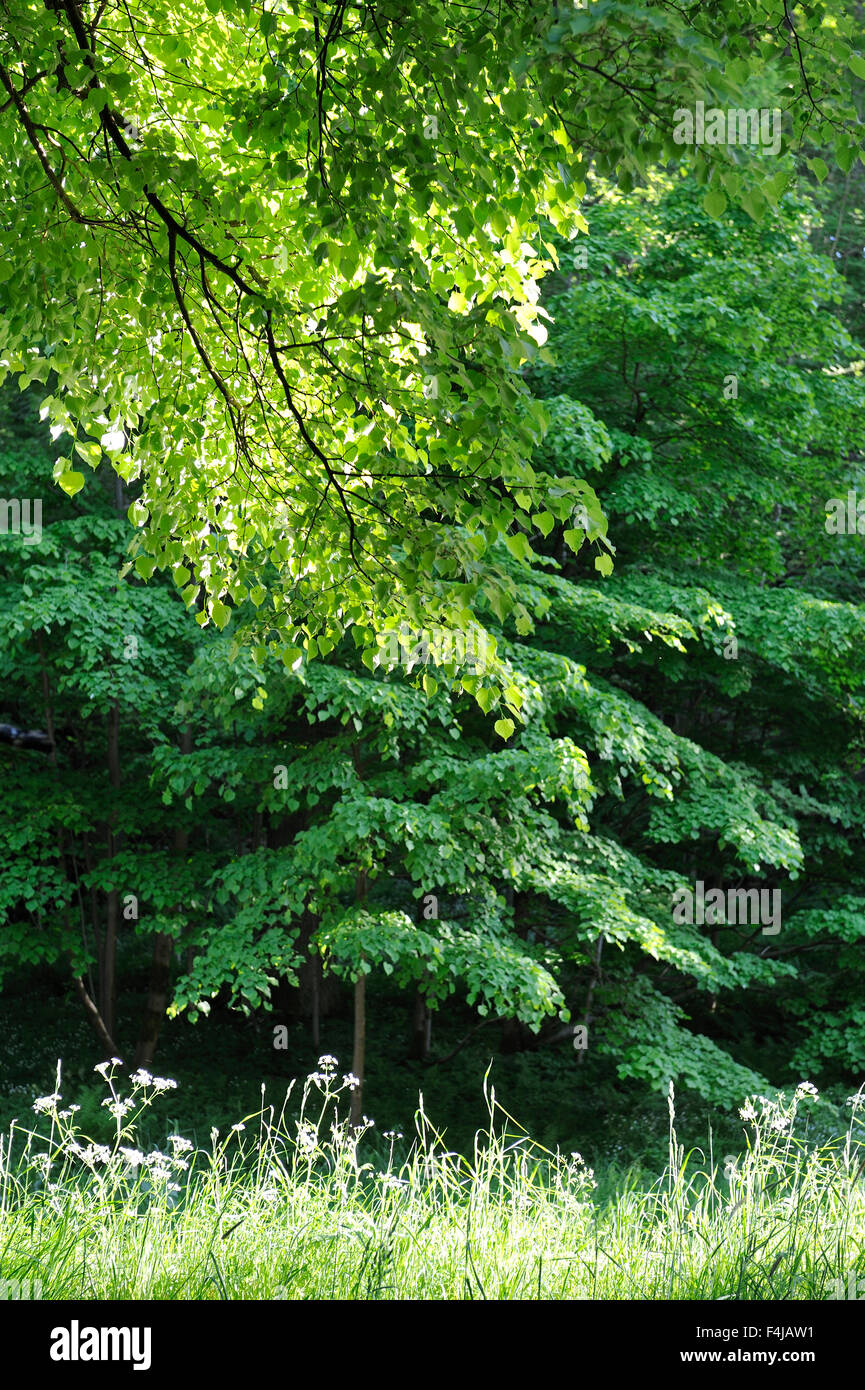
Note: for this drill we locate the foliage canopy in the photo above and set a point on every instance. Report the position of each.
(281, 264)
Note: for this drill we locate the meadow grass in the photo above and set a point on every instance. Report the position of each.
(310, 1208)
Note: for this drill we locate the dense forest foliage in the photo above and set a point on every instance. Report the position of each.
(432, 662)
(243, 826)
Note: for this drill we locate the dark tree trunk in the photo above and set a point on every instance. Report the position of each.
(359, 1051)
(590, 994)
(160, 966)
(316, 999)
(315, 995)
(358, 1054)
(108, 974)
(421, 1028)
(94, 1017)
(157, 1000)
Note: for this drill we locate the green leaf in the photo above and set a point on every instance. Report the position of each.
(573, 538)
(519, 546)
(715, 202)
(845, 154)
(71, 482)
(219, 612)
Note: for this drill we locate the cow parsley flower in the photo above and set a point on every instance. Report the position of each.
(94, 1153)
(102, 1067)
(46, 1104)
(118, 1108)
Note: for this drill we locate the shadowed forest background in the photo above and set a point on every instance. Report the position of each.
(214, 842)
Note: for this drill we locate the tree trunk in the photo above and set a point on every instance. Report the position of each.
(357, 1060)
(157, 1000)
(94, 1017)
(421, 1028)
(108, 976)
(160, 966)
(108, 980)
(590, 994)
(312, 996)
(316, 998)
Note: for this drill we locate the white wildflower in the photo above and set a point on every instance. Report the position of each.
(118, 1108)
(93, 1154)
(102, 1067)
(306, 1137)
(46, 1104)
(158, 1166)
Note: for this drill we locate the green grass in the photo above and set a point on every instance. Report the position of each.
(307, 1208)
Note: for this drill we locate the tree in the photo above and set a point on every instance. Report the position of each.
(372, 816)
(281, 266)
(719, 502)
(335, 795)
(99, 661)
